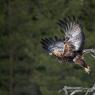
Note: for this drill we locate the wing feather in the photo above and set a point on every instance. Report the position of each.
(73, 31)
(53, 45)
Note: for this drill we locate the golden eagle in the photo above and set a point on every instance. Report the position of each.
(72, 47)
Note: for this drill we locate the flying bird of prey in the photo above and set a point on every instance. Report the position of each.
(71, 48)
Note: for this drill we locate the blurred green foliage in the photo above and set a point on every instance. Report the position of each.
(25, 69)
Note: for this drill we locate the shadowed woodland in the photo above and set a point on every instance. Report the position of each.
(25, 68)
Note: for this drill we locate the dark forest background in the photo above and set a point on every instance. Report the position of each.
(25, 69)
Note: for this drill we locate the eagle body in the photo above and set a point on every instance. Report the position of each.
(72, 47)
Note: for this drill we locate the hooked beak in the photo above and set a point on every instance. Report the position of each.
(87, 69)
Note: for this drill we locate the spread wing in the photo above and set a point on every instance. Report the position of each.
(53, 46)
(73, 32)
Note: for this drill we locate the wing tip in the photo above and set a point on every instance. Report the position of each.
(46, 42)
(68, 22)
